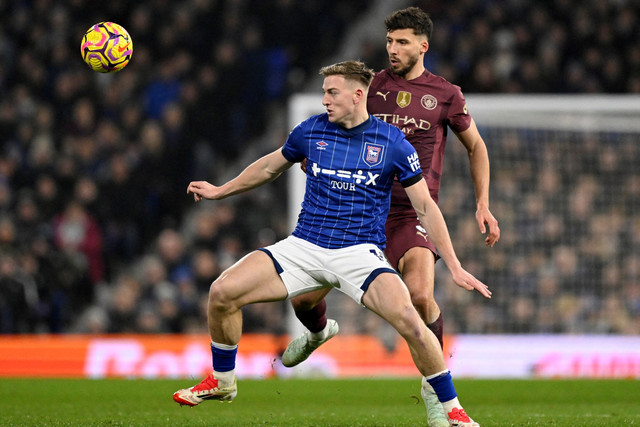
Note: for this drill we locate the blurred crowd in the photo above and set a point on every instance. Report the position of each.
(94, 168)
(97, 233)
(515, 46)
(569, 261)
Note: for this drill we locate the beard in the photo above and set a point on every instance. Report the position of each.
(402, 71)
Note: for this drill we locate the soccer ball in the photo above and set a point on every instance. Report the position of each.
(106, 47)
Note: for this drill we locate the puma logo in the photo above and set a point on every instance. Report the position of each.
(384, 95)
(420, 231)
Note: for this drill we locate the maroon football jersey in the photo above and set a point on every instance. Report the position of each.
(423, 108)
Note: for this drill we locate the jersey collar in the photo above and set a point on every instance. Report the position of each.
(358, 129)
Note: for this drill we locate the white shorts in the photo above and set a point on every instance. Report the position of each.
(306, 267)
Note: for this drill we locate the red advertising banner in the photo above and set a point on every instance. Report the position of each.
(189, 356)
(177, 356)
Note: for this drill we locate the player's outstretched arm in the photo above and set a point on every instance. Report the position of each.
(433, 221)
(479, 167)
(263, 170)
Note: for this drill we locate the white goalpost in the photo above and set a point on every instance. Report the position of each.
(566, 190)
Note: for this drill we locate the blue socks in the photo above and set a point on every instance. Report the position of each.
(223, 357)
(443, 386)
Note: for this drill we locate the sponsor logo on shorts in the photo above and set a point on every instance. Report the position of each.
(420, 231)
(378, 253)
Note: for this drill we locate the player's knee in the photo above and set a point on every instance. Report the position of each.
(422, 301)
(219, 300)
(303, 303)
(406, 322)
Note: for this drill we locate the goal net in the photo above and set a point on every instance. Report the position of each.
(565, 188)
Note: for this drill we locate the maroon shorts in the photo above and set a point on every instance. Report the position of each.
(404, 232)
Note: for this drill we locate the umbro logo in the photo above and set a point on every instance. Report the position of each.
(321, 145)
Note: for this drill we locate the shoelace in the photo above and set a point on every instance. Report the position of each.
(460, 415)
(208, 383)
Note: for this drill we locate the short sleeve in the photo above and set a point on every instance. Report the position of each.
(406, 161)
(292, 150)
(458, 117)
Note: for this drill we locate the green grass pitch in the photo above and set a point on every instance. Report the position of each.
(316, 402)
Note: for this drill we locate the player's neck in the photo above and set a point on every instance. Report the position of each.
(356, 119)
(415, 72)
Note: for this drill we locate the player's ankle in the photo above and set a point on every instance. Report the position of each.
(319, 336)
(225, 379)
(451, 405)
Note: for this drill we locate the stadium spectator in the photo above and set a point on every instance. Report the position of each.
(18, 295)
(77, 234)
(65, 130)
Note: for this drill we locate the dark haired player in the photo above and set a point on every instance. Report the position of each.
(423, 106)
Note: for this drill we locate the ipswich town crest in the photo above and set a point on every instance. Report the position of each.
(372, 154)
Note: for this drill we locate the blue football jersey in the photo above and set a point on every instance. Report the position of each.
(349, 178)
